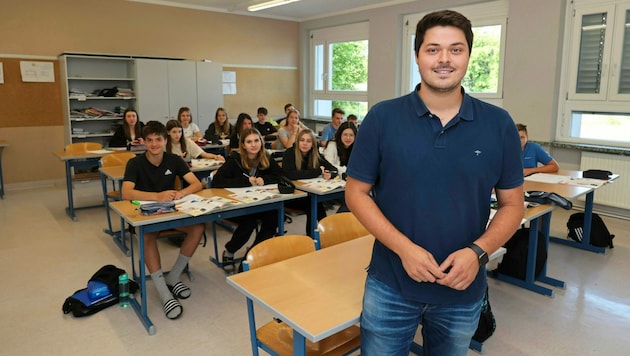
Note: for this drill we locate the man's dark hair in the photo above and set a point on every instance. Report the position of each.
(262, 110)
(337, 111)
(443, 18)
(154, 127)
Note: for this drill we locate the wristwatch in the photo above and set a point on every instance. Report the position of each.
(482, 256)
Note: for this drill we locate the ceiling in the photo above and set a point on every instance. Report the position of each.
(297, 11)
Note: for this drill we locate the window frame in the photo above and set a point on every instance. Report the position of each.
(607, 101)
(325, 37)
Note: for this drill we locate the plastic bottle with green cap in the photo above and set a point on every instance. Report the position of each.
(123, 290)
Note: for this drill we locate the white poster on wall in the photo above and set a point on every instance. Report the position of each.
(1, 74)
(37, 71)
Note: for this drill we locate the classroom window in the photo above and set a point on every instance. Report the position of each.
(484, 77)
(595, 85)
(339, 70)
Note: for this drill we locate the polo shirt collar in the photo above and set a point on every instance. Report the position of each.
(466, 111)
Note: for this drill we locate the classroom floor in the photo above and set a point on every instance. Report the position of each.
(45, 257)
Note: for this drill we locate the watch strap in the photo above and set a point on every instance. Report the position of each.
(482, 255)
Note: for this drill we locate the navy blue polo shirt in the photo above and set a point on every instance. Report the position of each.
(434, 183)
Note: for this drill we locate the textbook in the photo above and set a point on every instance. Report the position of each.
(253, 194)
(323, 185)
(196, 205)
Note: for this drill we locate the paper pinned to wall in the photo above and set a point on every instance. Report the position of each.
(229, 83)
(37, 71)
(1, 74)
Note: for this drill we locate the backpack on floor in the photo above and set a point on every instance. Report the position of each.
(600, 236)
(514, 261)
(102, 292)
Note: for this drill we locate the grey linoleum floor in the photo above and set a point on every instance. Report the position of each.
(45, 257)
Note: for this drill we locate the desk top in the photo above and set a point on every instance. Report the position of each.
(66, 156)
(568, 191)
(326, 301)
(132, 215)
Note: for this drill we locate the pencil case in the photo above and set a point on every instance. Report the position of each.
(157, 208)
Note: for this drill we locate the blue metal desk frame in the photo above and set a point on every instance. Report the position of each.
(141, 307)
(86, 160)
(588, 222)
(530, 279)
(319, 197)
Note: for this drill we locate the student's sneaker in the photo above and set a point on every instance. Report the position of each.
(227, 260)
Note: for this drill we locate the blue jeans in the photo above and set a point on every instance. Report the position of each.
(389, 323)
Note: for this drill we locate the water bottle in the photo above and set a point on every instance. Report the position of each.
(123, 290)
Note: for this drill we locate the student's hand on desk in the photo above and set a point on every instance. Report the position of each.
(462, 267)
(167, 195)
(420, 265)
(219, 158)
(256, 181)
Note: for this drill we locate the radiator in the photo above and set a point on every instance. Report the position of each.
(616, 194)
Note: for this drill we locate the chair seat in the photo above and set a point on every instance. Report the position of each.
(279, 337)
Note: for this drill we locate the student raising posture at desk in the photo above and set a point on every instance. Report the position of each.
(183, 146)
(303, 161)
(533, 154)
(190, 129)
(151, 176)
(249, 166)
(130, 132)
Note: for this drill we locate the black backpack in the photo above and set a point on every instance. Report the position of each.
(600, 236)
(514, 261)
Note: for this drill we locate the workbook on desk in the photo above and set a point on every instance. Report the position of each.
(253, 194)
(196, 205)
(323, 185)
(205, 162)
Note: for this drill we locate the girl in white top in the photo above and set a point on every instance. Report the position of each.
(185, 147)
(338, 150)
(191, 130)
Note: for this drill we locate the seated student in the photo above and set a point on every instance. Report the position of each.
(303, 161)
(130, 132)
(328, 133)
(183, 146)
(220, 129)
(266, 129)
(190, 129)
(353, 119)
(286, 113)
(289, 129)
(248, 166)
(533, 154)
(338, 152)
(151, 176)
(244, 121)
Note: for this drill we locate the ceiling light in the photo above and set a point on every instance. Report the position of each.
(268, 4)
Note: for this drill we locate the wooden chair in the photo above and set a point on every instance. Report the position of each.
(276, 337)
(338, 228)
(112, 160)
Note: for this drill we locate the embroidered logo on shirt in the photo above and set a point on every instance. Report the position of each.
(168, 172)
(477, 152)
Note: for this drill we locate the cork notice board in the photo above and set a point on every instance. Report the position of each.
(29, 104)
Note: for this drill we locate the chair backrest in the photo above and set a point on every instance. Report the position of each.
(116, 159)
(278, 249)
(79, 147)
(338, 228)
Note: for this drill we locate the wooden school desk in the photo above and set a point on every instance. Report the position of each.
(116, 174)
(317, 196)
(532, 215)
(310, 294)
(3, 144)
(144, 224)
(75, 160)
(588, 208)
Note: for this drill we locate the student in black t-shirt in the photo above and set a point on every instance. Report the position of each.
(263, 126)
(151, 176)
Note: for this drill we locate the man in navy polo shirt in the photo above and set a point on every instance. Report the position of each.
(420, 179)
